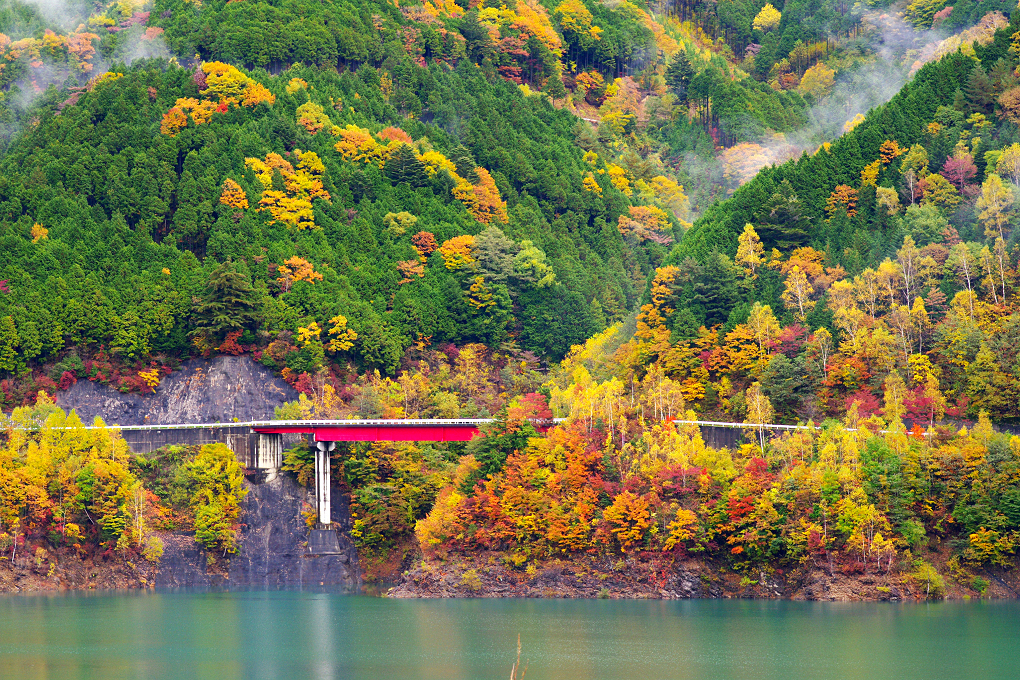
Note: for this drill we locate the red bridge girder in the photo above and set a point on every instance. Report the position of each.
(378, 430)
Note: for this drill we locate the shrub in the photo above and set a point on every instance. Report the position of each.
(471, 580)
(929, 579)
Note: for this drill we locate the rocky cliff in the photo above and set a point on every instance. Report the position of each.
(271, 546)
(202, 391)
(272, 538)
(271, 554)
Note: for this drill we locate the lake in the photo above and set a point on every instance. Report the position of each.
(296, 635)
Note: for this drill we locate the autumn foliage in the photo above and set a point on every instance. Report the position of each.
(291, 204)
(233, 195)
(225, 86)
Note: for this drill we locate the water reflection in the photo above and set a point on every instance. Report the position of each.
(323, 636)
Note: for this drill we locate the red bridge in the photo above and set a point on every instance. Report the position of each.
(435, 430)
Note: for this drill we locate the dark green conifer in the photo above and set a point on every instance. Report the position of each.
(228, 304)
(678, 76)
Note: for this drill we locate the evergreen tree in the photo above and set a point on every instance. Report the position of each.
(465, 163)
(678, 76)
(980, 91)
(554, 85)
(228, 304)
(403, 167)
(9, 342)
(784, 222)
(715, 289)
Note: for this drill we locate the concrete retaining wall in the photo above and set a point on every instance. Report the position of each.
(254, 451)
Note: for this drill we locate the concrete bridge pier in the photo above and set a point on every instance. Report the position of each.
(322, 501)
(323, 539)
(268, 458)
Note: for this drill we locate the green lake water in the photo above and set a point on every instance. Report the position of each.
(299, 635)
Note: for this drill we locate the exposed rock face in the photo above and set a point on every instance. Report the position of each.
(271, 540)
(645, 577)
(271, 551)
(202, 391)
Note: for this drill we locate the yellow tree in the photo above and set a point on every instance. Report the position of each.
(341, 337)
(295, 85)
(749, 251)
(915, 159)
(759, 412)
(763, 325)
(223, 81)
(938, 191)
(291, 203)
(797, 295)
(987, 261)
(1009, 164)
(743, 161)
(817, 81)
(458, 252)
(1000, 256)
(311, 117)
(767, 19)
(662, 395)
(993, 205)
(822, 343)
(909, 258)
(669, 194)
(889, 277)
(866, 290)
(233, 195)
(962, 260)
(888, 199)
(869, 175)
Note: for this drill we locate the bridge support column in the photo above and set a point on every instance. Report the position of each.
(269, 452)
(322, 500)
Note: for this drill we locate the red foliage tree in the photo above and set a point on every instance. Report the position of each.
(959, 170)
(67, 378)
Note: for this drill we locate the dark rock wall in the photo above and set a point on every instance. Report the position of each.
(271, 541)
(271, 552)
(202, 391)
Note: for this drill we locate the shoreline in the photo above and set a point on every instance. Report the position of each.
(590, 577)
(492, 575)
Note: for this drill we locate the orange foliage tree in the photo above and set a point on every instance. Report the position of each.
(409, 270)
(482, 199)
(458, 252)
(842, 196)
(425, 243)
(296, 269)
(233, 195)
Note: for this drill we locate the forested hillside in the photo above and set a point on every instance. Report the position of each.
(383, 178)
(221, 228)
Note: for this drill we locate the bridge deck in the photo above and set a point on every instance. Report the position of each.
(438, 430)
(243, 437)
